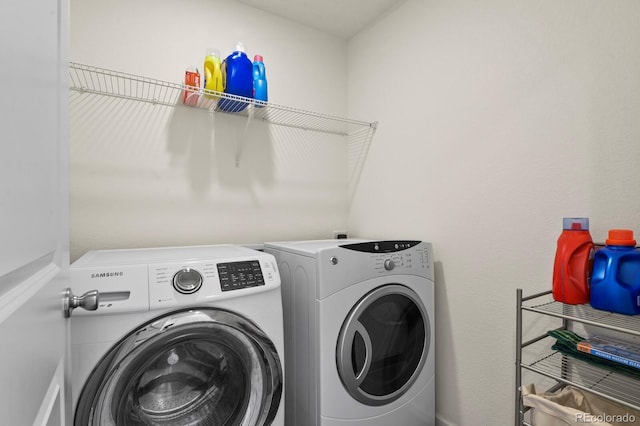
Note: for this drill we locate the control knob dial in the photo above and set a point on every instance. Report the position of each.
(187, 281)
(389, 264)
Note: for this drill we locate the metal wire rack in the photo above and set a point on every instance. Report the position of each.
(90, 79)
(564, 369)
(598, 380)
(584, 314)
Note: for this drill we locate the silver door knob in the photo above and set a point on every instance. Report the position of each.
(88, 301)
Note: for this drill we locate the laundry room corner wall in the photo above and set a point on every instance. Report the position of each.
(497, 119)
(144, 174)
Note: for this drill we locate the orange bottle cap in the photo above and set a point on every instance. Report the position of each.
(620, 237)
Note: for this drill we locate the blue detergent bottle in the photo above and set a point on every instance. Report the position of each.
(237, 72)
(615, 281)
(259, 81)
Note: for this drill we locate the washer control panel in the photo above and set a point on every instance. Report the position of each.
(131, 280)
(203, 281)
(238, 275)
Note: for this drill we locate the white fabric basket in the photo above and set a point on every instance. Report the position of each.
(575, 407)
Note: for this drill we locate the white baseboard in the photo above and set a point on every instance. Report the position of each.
(442, 422)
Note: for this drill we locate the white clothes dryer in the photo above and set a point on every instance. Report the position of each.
(181, 336)
(359, 332)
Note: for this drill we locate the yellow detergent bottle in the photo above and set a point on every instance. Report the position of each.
(212, 73)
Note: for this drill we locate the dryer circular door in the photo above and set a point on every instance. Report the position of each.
(383, 344)
(199, 366)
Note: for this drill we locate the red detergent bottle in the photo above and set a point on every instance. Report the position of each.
(571, 267)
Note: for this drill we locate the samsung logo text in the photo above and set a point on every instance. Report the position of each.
(107, 274)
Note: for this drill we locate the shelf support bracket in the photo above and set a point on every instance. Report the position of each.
(240, 141)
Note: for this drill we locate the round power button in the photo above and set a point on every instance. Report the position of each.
(389, 264)
(187, 281)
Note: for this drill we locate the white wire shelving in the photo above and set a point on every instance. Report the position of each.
(90, 79)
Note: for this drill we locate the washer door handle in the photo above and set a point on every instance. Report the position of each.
(88, 301)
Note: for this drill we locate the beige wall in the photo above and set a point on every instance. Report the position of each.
(148, 175)
(497, 118)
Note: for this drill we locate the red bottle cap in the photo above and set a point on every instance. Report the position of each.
(257, 58)
(620, 237)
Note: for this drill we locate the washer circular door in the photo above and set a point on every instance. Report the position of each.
(383, 344)
(193, 367)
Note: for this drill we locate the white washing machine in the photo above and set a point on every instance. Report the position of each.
(181, 336)
(359, 332)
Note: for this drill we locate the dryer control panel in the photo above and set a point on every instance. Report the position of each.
(398, 256)
(382, 246)
(344, 265)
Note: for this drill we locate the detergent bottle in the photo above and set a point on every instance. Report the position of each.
(190, 94)
(615, 283)
(213, 72)
(259, 81)
(237, 72)
(572, 262)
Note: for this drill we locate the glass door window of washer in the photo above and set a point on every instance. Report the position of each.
(195, 367)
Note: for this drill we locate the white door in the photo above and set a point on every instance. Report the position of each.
(33, 211)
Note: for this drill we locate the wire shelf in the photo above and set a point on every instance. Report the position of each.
(90, 79)
(585, 314)
(598, 380)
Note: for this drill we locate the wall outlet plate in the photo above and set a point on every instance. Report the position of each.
(339, 235)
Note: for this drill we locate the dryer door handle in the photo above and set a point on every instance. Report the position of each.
(368, 351)
(349, 369)
(88, 301)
